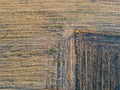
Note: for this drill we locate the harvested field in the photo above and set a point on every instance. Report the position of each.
(31, 29)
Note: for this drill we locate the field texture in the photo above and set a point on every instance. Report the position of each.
(31, 29)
